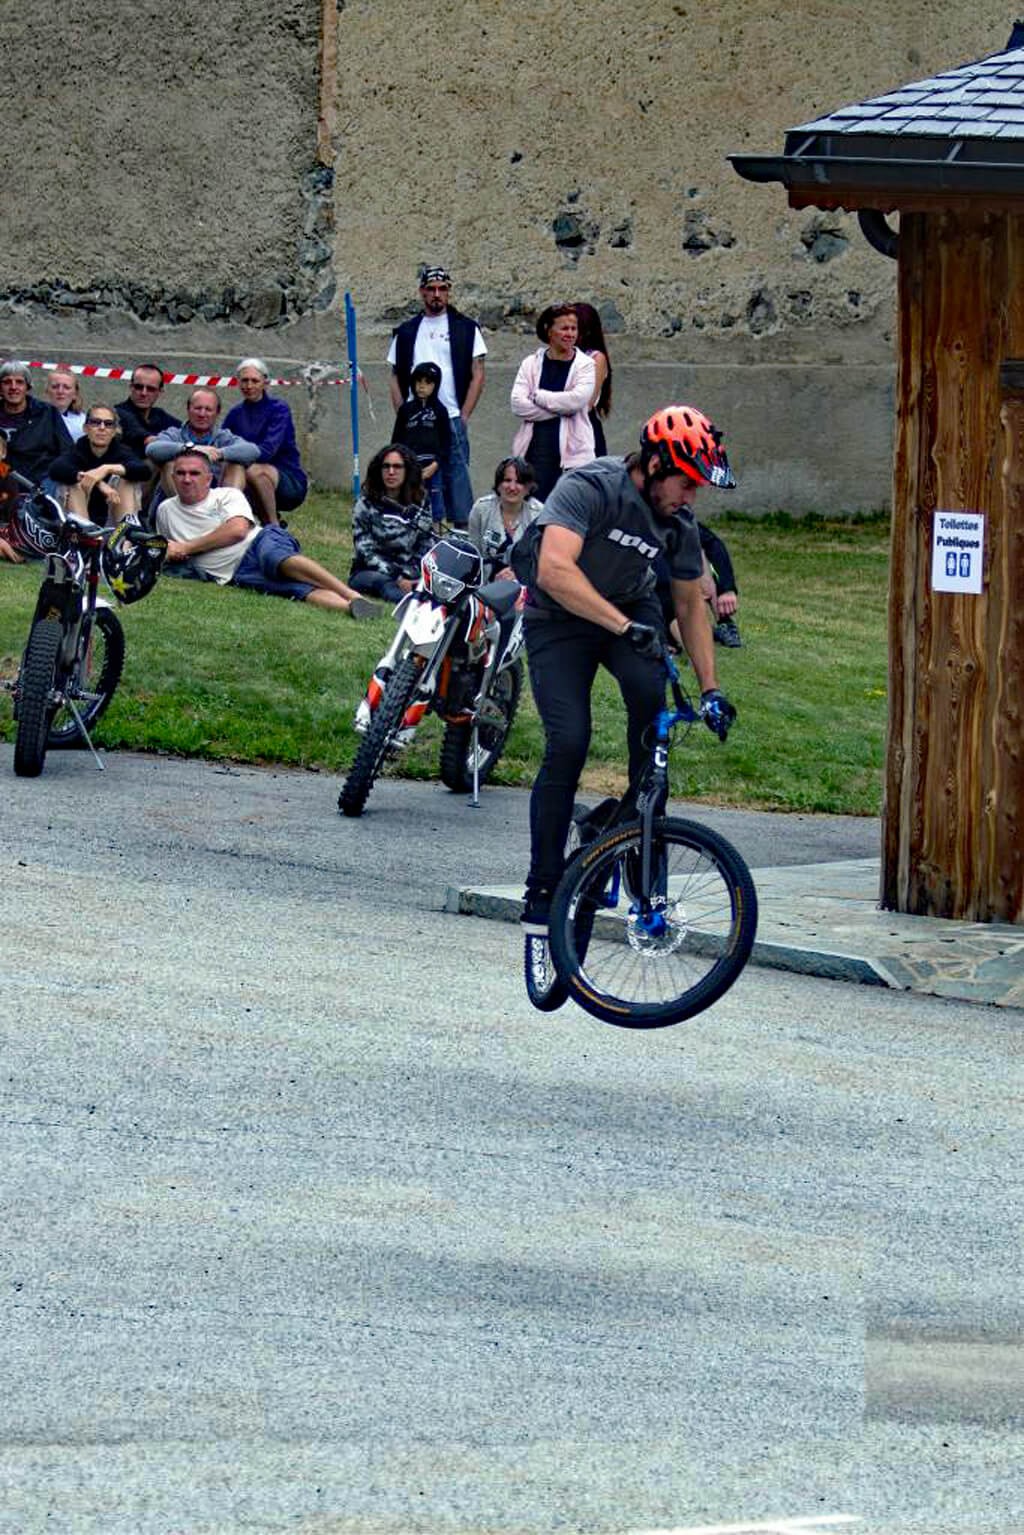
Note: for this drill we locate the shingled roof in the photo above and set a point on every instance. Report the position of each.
(961, 131)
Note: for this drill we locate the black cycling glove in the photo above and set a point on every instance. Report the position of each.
(717, 712)
(645, 640)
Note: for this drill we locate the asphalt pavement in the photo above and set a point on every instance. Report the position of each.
(311, 1224)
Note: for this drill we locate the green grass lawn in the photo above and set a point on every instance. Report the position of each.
(222, 673)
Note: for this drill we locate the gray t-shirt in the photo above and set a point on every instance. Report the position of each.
(621, 535)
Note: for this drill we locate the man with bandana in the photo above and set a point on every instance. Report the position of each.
(441, 334)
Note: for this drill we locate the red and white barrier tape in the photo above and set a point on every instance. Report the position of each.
(315, 373)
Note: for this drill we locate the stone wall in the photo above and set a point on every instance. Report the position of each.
(206, 182)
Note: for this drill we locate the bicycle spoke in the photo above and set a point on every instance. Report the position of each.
(663, 952)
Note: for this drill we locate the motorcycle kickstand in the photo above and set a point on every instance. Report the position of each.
(86, 736)
(474, 746)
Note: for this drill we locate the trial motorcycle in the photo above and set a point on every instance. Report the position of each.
(456, 654)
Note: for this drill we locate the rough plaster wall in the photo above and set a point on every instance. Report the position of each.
(179, 179)
(558, 150)
(163, 157)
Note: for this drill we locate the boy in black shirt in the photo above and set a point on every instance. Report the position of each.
(422, 424)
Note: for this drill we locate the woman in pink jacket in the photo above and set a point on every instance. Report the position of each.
(552, 394)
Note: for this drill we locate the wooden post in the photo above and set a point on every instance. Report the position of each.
(954, 786)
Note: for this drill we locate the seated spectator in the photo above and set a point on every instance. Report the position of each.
(99, 471)
(141, 417)
(35, 429)
(723, 599)
(499, 519)
(8, 496)
(65, 392)
(228, 455)
(391, 525)
(213, 529)
(424, 425)
(276, 482)
(718, 585)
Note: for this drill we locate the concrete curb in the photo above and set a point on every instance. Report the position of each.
(499, 906)
(822, 920)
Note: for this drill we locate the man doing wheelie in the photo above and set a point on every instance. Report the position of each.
(591, 602)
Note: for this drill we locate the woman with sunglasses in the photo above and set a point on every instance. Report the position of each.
(391, 525)
(100, 471)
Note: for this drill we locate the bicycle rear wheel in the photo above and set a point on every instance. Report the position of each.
(93, 683)
(646, 971)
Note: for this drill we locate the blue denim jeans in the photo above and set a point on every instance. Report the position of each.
(458, 490)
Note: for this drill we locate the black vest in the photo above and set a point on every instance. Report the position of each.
(461, 331)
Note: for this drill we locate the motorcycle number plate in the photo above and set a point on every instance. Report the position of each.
(423, 623)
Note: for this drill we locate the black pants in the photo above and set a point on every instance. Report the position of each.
(374, 583)
(564, 654)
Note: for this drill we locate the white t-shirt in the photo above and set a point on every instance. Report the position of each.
(180, 522)
(433, 345)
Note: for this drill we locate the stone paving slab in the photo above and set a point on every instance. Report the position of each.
(823, 919)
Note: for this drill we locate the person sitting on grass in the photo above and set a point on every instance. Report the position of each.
(718, 584)
(34, 429)
(276, 482)
(214, 530)
(65, 392)
(228, 454)
(101, 473)
(9, 493)
(391, 525)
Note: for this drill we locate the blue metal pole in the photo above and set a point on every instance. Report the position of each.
(353, 386)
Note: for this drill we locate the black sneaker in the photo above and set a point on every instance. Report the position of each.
(726, 633)
(536, 911)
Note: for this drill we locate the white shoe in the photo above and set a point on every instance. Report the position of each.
(363, 716)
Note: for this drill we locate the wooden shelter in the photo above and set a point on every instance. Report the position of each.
(947, 154)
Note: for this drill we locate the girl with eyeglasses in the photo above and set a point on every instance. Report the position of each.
(391, 525)
(100, 471)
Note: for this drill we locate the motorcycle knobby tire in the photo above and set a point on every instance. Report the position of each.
(380, 734)
(36, 683)
(457, 745)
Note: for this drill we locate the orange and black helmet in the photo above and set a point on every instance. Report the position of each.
(687, 443)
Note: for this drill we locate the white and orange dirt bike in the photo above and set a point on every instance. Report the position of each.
(456, 654)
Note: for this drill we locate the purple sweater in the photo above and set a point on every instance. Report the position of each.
(269, 425)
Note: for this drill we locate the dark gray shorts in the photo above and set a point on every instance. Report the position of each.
(259, 565)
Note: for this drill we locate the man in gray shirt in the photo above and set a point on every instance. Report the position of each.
(226, 453)
(591, 602)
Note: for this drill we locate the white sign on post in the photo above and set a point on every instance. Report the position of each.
(958, 549)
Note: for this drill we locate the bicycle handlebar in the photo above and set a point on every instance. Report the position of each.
(684, 708)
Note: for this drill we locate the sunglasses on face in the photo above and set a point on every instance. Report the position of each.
(100, 421)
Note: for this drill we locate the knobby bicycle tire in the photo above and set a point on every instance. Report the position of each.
(95, 682)
(36, 682)
(456, 766)
(380, 733)
(624, 975)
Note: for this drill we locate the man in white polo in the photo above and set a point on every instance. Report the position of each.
(214, 529)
